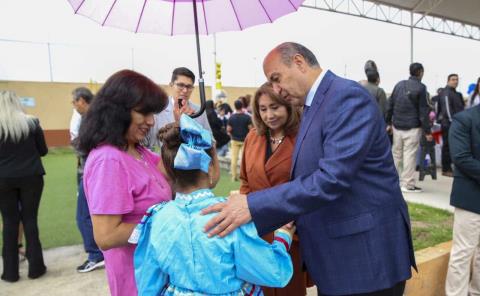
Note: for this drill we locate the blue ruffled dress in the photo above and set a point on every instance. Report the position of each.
(174, 256)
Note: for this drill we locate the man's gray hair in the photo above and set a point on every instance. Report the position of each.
(288, 50)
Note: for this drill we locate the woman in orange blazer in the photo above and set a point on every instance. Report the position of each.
(267, 160)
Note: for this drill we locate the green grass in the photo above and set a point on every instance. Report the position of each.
(430, 226)
(58, 206)
(225, 185)
(57, 221)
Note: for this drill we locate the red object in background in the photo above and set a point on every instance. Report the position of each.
(437, 135)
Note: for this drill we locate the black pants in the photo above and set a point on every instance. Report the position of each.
(446, 160)
(396, 290)
(19, 201)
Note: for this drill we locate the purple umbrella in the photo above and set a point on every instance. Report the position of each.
(174, 17)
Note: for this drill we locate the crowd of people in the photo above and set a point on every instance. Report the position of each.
(324, 161)
(411, 114)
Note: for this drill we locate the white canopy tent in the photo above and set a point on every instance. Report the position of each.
(459, 18)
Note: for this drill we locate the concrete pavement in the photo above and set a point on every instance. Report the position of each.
(61, 278)
(436, 193)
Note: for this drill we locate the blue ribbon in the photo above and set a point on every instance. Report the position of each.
(191, 154)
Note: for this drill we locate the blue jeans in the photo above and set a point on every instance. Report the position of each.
(222, 151)
(84, 223)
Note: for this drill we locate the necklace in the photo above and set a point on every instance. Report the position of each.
(274, 141)
(148, 169)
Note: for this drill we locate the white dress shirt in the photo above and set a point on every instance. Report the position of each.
(313, 89)
(75, 124)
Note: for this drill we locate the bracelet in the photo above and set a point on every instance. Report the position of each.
(283, 231)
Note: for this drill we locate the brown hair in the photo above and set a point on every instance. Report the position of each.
(293, 120)
(171, 141)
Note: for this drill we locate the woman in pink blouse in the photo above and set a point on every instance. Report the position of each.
(121, 178)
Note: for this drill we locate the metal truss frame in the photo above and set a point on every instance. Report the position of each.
(413, 19)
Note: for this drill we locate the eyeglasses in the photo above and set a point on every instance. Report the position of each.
(184, 86)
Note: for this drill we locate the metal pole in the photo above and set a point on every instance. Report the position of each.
(214, 88)
(411, 37)
(214, 48)
(133, 58)
(201, 83)
(50, 61)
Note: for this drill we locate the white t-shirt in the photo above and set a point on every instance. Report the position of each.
(75, 124)
(476, 100)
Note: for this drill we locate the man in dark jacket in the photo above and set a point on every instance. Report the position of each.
(464, 143)
(373, 80)
(450, 103)
(408, 113)
(239, 124)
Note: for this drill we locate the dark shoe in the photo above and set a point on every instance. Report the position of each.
(10, 279)
(412, 189)
(37, 274)
(90, 265)
(447, 174)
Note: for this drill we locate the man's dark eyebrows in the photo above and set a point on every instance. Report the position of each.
(274, 77)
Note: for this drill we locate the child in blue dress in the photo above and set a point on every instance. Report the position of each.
(174, 256)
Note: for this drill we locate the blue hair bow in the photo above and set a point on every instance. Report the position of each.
(191, 154)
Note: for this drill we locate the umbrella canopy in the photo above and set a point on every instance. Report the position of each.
(174, 17)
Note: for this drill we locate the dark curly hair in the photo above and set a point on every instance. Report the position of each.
(109, 115)
(171, 141)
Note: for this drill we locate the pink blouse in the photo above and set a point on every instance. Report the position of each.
(116, 183)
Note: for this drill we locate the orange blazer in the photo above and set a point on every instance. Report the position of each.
(255, 173)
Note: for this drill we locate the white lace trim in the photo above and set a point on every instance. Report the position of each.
(202, 193)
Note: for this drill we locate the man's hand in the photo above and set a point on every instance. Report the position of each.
(185, 109)
(429, 137)
(389, 129)
(232, 214)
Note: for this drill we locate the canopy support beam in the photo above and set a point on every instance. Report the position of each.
(399, 16)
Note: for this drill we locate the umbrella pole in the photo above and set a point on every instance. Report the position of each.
(201, 83)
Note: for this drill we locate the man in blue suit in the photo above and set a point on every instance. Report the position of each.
(344, 194)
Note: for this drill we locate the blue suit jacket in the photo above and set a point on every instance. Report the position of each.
(344, 195)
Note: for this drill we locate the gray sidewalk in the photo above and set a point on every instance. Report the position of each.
(436, 193)
(61, 278)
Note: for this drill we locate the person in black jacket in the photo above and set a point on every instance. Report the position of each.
(408, 113)
(464, 136)
(218, 130)
(22, 143)
(239, 124)
(373, 80)
(450, 103)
